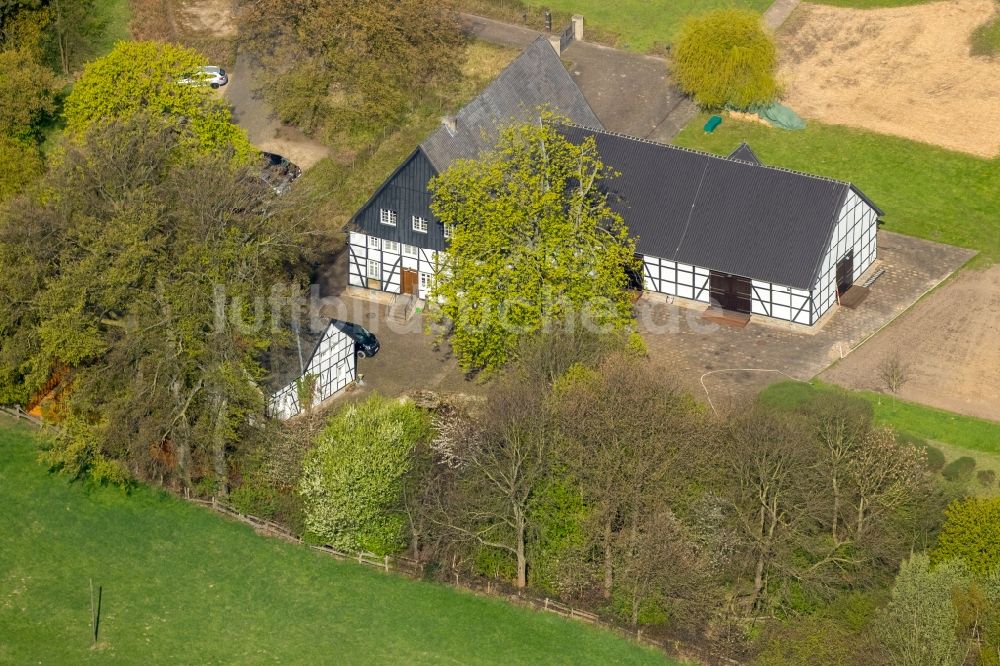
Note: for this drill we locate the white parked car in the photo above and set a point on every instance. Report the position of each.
(209, 75)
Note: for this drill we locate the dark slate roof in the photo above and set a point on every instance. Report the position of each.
(744, 154)
(726, 215)
(535, 78)
(282, 361)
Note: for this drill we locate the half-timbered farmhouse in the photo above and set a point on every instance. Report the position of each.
(395, 240)
(726, 231)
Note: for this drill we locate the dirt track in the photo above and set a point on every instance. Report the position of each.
(952, 343)
(904, 71)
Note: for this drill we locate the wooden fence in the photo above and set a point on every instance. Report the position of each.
(18, 413)
(478, 585)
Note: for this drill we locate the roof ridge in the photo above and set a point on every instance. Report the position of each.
(708, 154)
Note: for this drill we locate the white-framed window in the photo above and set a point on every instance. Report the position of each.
(448, 230)
(426, 281)
(374, 242)
(409, 250)
(387, 217)
(391, 246)
(375, 269)
(419, 224)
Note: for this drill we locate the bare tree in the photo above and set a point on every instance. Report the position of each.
(767, 461)
(894, 372)
(499, 454)
(658, 561)
(840, 424)
(625, 430)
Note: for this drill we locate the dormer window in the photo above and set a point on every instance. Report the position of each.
(419, 224)
(387, 217)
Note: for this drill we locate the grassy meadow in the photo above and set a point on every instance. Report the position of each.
(637, 25)
(925, 191)
(182, 585)
(961, 432)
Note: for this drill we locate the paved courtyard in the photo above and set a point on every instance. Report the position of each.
(742, 361)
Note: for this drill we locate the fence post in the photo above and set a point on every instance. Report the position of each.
(578, 27)
(387, 563)
(546, 603)
(360, 560)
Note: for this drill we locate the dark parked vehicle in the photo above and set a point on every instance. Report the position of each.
(278, 172)
(365, 342)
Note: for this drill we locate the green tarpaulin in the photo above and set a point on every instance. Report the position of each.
(781, 116)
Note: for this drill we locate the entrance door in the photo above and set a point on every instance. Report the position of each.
(410, 281)
(730, 292)
(845, 272)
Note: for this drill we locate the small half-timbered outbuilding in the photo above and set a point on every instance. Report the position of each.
(331, 359)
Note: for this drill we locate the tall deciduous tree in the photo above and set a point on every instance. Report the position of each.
(500, 455)
(534, 244)
(766, 462)
(149, 76)
(353, 480)
(626, 429)
(350, 65)
(27, 89)
(138, 282)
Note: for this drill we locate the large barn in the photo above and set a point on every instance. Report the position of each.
(726, 231)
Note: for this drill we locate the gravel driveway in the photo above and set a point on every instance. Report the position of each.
(254, 114)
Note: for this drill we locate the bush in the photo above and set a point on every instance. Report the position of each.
(986, 477)
(971, 533)
(725, 58)
(959, 469)
(352, 482)
(933, 457)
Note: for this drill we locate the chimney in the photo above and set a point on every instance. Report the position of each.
(450, 123)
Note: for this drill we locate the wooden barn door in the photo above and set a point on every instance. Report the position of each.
(410, 281)
(845, 272)
(730, 292)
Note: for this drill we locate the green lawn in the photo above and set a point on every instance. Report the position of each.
(985, 41)
(963, 432)
(925, 191)
(871, 4)
(639, 25)
(115, 15)
(182, 585)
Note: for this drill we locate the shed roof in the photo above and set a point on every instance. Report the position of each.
(534, 79)
(743, 153)
(724, 214)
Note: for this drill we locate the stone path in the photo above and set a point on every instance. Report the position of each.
(679, 340)
(778, 13)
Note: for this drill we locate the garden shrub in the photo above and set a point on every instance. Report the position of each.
(933, 458)
(986, 478)
(352, 482)
(959, 469)
(726, 58)
(971, 533)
